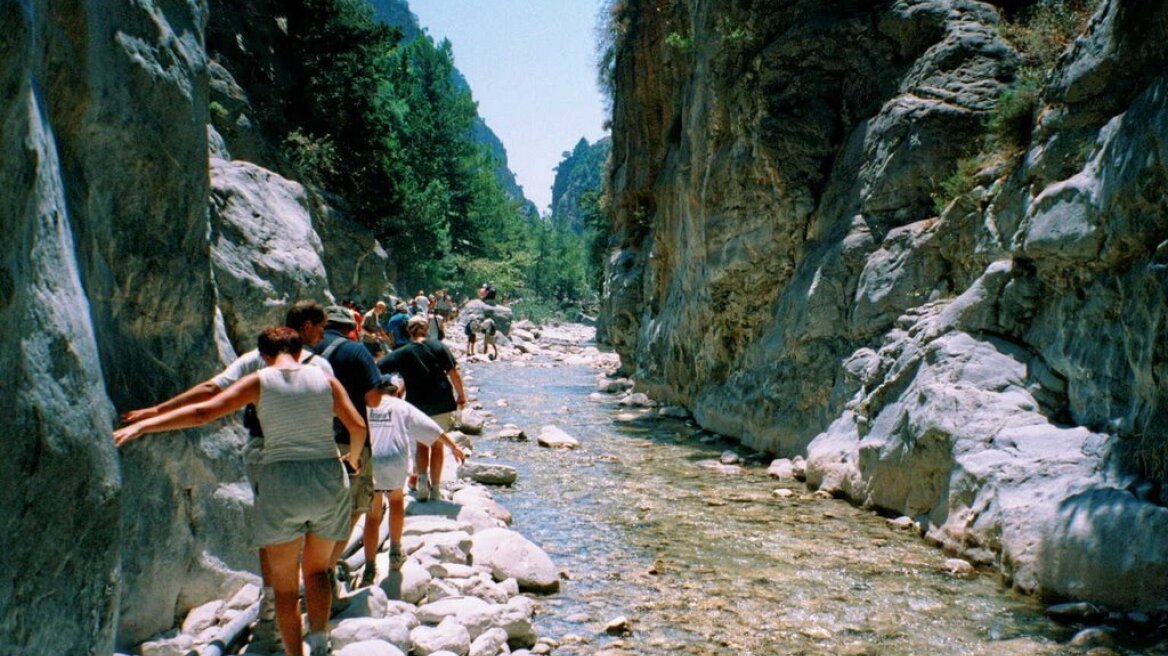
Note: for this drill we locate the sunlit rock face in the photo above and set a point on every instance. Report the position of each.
(132, 269)
(782, 270)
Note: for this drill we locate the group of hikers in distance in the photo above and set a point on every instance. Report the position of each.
(330, 440)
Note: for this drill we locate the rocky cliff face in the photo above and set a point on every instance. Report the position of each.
(783, 273)
(139, 258)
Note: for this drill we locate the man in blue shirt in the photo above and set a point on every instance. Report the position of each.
(397, 325)
(354, 367)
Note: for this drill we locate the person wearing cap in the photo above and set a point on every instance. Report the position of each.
(395, 427)
(434, 386)
(355, 368)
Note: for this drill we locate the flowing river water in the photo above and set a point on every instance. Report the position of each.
(703, 562)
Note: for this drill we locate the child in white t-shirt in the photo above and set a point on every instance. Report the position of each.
(395, 427)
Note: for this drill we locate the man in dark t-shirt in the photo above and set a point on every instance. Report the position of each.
(354, 367)
(434, 386)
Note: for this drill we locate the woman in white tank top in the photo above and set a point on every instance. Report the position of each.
(303, 491)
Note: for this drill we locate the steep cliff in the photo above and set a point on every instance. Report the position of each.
(781, 269)
(135, 266)
(580, 173)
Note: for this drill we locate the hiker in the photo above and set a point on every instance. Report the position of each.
(423, 302)
(443, 306)
(303, 498)
(472, 332)
(394, 427)
(355, 368)
(487, 326)
(397, 326)
(372, 332)
(434, 386)
(307, 318)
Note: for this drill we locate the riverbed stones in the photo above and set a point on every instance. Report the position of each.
(393, 630)
(960, 568)
(673, 411)
(368, 648)
(490, 643)
(488, 473)
(449, 635)
(510, 555)
(637, 400)
(1075, 612)
(620, 625)
(511, 433)
(477, 497)
(729, 458)
(613, 386)
(781, 468)
(555, 438)
(203, 617)
(471, 422)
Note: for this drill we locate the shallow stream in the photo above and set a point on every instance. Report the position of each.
(703, 562)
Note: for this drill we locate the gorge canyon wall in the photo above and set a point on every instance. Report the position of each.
(996, 369)
(140, 257)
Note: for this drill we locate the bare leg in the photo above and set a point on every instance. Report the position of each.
(283, 559)
(397, 516)
(437, 457)
(373, 528)
(422, 458)
(339, 549)
(317, 590)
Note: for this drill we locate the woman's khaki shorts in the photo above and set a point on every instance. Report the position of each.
(296, 497)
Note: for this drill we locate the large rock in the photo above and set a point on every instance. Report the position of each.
(510, 555)
(264, 249)
(393, 630)
(555, 437)
(476, 309)
(488, 473)
(105, 281)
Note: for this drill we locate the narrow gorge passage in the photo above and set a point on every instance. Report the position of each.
(702, 561)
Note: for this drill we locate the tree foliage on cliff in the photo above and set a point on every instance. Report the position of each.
(398, 134)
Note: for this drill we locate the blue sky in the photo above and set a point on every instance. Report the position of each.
(531, 66)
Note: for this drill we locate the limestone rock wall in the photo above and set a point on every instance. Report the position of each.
(783, 273)
(133, 267)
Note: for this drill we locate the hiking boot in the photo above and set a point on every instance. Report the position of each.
(397, 558)
(318, 644)
(423, 493)
(369, 576)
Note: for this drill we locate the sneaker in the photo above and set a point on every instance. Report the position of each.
(423, 488)
(369, 576)
(318, 644)
(397, 558)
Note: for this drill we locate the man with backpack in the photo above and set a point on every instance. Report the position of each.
(355, 368)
